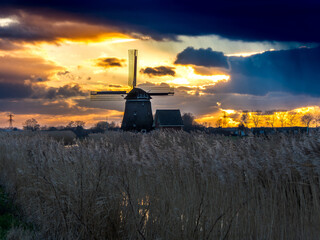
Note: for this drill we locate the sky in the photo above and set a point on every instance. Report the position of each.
(219, 55)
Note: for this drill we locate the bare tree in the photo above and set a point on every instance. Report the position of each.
(244, 120)
(270, 119)
(283, 118)
(188, 119)
(205, 124)
(74, 124)
(224, 119)
(256, 118)
(218, 122)
(102, 126)
(292, 118)
(31, 124)
(307, 119)
(113, 124)
(316, 118)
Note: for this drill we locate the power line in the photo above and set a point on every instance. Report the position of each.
(10, 120)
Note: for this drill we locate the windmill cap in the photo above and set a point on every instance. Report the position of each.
(137, 93)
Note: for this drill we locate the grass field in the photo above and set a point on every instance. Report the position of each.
(11, 225)
(166, 186)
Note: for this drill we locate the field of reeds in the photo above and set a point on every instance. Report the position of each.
(165, 185)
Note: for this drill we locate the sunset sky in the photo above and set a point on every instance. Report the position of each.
(226, 55)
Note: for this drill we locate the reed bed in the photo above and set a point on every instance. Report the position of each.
(166, 185)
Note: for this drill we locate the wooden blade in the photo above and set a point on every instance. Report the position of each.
(133, 56)
(107, 95)
(161, 94)
(96, 93)
(159, 90)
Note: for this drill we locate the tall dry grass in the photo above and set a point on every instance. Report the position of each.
(166, 186)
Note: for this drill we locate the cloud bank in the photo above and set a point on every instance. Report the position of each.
(202, 57)
(293, 71)
(249, 20)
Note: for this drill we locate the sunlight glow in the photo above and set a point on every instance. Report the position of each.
(191, 79)
(5, 22)
(103, 39)
(179, 81)
(247, 54)
(228, 111)
(304, 110)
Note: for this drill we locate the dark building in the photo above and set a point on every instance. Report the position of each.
(137, 113)
(168, 119)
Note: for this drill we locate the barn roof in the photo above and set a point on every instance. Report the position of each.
(168, 118)
(137, 93)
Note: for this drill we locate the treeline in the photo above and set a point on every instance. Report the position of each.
(242, 121)
(77, 127)
(271, 119)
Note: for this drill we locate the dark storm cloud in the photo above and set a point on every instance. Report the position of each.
(158, 71)
(292, 71)
(109, 62)
(66, 91)
(34, 91)
(46, 26)
(202, 57)
(11, 90)
(43, 106)
(245, 20)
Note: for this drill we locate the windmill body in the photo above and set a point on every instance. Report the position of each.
(138, 113)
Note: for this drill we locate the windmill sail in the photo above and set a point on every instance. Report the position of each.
(107, 95)
(133, 55)
(158, 90)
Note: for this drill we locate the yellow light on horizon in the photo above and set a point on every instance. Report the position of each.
(110, 38)
(306, 109)
(229, 111)
(213, 78)
(191, 79)
(247, 54)
(278, 117)
(179, 81)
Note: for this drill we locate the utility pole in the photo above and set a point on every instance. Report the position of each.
(10, 120)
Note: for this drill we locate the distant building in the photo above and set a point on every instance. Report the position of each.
(168, 119)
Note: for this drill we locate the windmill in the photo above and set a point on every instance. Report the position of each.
(138, 113)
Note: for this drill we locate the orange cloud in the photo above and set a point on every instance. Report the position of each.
(19, 69)
(35, 28)
(109, 62)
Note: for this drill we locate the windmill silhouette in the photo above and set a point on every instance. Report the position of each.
(138, 113)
